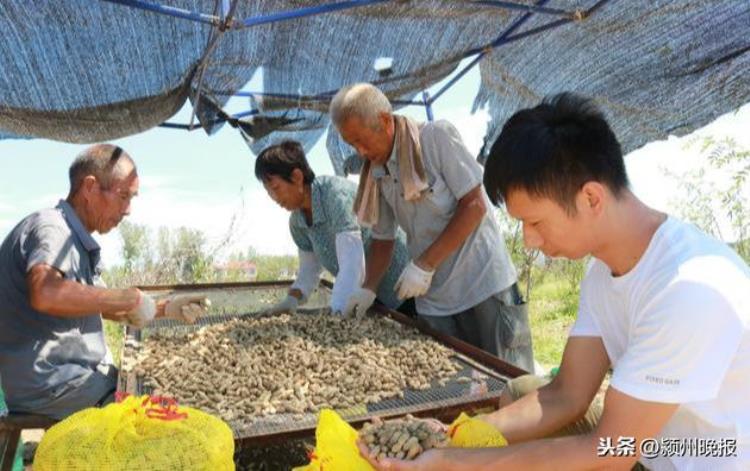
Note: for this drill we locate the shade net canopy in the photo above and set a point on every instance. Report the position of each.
(92, 70)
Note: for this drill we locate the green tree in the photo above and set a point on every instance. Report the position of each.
(135, 246)
(551, 288)
(523, 258)
(181, 255)
(276, 267)
(191, 257)
(719, 206)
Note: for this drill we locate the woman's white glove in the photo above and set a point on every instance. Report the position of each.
(359, 302)
(413, 282)
(143, 313)
(186, 307)
(287, 305)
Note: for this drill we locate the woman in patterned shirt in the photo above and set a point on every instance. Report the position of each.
(325, 230)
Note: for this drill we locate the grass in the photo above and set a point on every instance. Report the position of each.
(114, 334)
(552, 310)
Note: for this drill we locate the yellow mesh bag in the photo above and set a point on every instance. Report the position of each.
(336, 442)
(335, 446)
(139, 433)
(469, 432)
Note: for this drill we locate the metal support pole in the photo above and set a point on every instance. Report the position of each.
(249, 22)
(481, 52)
(245, 113)
(507, 37)
(288, 96)
(226, 22)
(224, 10)
(427, 105)
(170, 11)
(307, 11)
(527, 8)
(221, 118)
(580, 16)
(407, 102)
(169, 125)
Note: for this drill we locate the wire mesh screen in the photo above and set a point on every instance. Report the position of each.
(472, 383)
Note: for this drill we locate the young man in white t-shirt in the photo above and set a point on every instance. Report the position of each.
(664, 306)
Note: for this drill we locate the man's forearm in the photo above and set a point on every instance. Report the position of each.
(378, 260)
(535, 415)
(65, 298)
(78, 299)
(565, 453)
(469, 213)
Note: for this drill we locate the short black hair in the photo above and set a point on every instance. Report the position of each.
(553, 149)
(281, 160)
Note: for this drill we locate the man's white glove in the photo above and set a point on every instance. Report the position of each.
(186, 307)
(413, 282)
(287, 305)
(359, 302)
(143, 313)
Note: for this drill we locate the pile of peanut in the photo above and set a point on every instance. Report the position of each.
(255, 366)
(401, 439)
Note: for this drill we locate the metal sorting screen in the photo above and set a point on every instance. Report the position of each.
(473, 384)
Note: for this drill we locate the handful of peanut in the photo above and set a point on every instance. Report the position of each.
(401, 439)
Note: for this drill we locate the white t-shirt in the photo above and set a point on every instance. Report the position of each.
(677, 330)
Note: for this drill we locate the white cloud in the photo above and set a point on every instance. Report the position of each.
(259, 222)
(111, 245)
(13, 213)
(48, 200)
(151, 182)
(472, 127)
(646, 166)
(162, 202)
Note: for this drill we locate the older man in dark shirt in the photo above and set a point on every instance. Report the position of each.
(53, 357)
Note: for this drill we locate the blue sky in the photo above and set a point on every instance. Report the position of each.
(191, 179)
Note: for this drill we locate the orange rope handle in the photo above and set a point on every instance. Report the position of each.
(453, 430)
(162, 408)
(121, 396)
(157, 407)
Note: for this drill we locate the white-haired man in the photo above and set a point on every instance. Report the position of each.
(421, 177)
(53, 357)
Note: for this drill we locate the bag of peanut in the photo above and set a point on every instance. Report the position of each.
(470, 432)
(335, 446)
(336, 441)
(136, 434)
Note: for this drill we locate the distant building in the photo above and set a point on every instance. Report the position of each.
(246, 270)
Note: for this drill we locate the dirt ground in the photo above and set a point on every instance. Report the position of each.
(282, 456)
